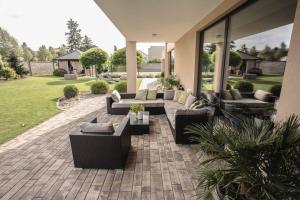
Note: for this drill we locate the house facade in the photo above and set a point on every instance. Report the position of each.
(192, 30)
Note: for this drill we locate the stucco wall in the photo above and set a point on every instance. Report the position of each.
(290, 95)
(272, 67)
(186, 47)
(40, 68)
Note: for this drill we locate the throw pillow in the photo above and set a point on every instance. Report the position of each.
(141, 94)
(226, 95)
(151, 95)
(189, 101)
(262, 95)
(169, 94)
(101, 128)
(183, 97)
(177, 94)
(236, 95)
(115, 95)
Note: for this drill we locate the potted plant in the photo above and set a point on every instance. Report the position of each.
(168, 84)
(136, 111)
(249, 159)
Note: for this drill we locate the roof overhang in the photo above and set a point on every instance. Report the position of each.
(156, 20)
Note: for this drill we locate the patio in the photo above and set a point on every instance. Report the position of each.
(42, 167)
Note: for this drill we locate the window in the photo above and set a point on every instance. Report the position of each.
(171, 61)
(250, 43)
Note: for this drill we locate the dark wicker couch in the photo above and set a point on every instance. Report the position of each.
(101, 151)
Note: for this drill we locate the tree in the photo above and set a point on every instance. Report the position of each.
(1, 63)
(244, 48)
(253, 51)
(87, 43)
(205, 61)
(235, 59)
(94, 57)
(62, 50)
(8, 44)
(119, 57)
(43, 54)
(74, 35)
(52, 52)
(27, 53)
(280, 52)
(232, 45)
(267, 54)
(210, 48)
(15, 63)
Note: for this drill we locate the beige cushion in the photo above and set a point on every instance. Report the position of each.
(183, 97)
(262, 95)
(202, 111)
(125, 103)
(151, 95)
(103, 128)
(177, 94)
(141, 94)
(189, 101)
(226, 95)
(115, 95)
(236, 94)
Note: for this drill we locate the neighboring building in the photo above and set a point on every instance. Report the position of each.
(154, 52)
(190, 25)
(249, 61)
(70, 62)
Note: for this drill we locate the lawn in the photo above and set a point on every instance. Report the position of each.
(27, 102)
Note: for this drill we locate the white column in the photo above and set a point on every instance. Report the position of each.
(289, 102)
(218, 67)
(131, 66)
(166, 67)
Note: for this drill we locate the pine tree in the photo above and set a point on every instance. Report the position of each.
(74, 35)
(87, 43)
(15, 63)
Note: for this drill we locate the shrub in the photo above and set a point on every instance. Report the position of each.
(256, 71)
(121, 86)
(59, 72)
(228, 86)
(276, 90)
(7, 72)
(70, 91)
(244, 86)
(99, 87)
(94, 57)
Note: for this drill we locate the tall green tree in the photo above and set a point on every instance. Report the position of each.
(119, 57)
(52, 52)
(280, 52)
(43, 54)
(16, 64)
(267, 54)
(27, 52)
(8, 44)
(253, 51)
(74, 37)
(87, 43)
(94, 57)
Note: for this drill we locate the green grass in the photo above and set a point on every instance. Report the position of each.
(27, 102)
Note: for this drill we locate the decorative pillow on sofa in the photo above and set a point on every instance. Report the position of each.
(189, 101)
(226, 95)
(262, 95)
(141, 94)
(151, 95)
(101, 128)
(115, 95)
(236, 95)
(177, 94)
(183, 97)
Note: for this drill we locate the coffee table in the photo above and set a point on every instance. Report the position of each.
(140, 126)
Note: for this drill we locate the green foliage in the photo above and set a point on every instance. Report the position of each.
(276, 90)
(73, 35)
(15, 63)
(249, 159)
(119, 57)
(94, 57)
(43, 54)
(99, 87)
(27, 53)
(121, 86)
(7, 72)
(59, 72)
(1, 63)
(155, 60)
(235, 60)
(62, 50)
(169, 82)
(87, 43)
(253, 51)
(8, 44)
(244, 86)
(205, 61)
(70, 91)
(136, 108)
(274, 54)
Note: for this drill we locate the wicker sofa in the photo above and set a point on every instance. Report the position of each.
(178, 116)
(101, 151)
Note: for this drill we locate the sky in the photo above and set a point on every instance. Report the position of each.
(43, 22)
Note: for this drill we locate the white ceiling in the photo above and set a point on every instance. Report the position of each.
(138, 20)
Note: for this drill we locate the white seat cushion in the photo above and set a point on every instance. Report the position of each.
(125, 103)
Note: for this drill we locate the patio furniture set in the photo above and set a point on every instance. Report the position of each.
(96, 145)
